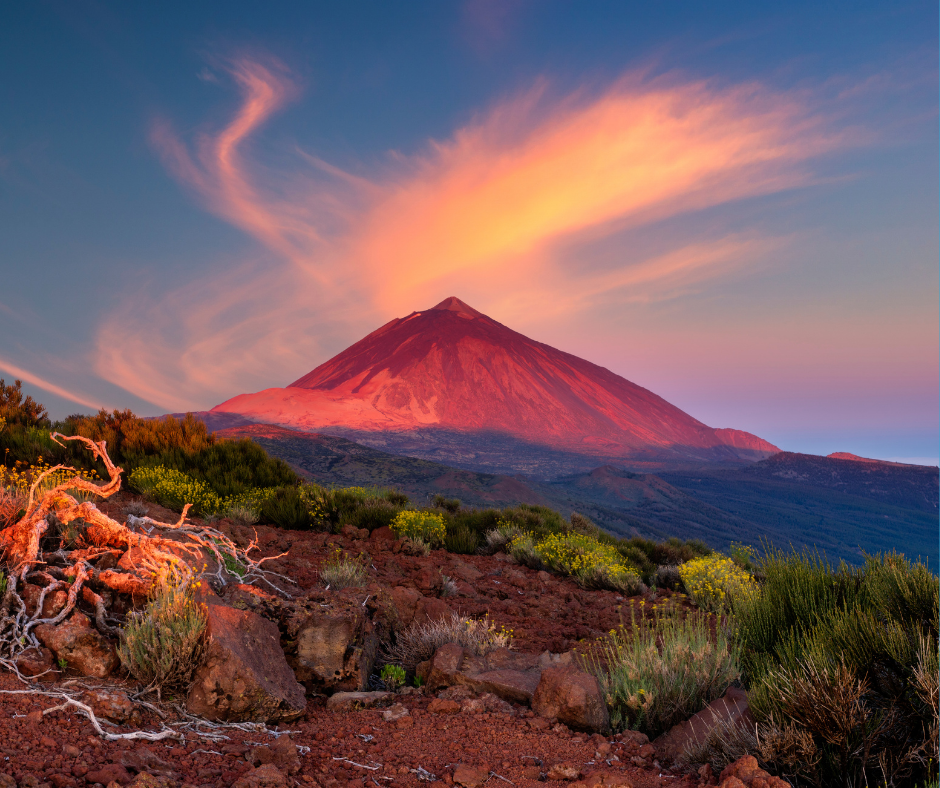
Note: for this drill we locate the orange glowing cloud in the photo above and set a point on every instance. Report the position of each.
(512, 202)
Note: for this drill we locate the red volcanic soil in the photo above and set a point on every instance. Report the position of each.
(452, 367)
(356, 749)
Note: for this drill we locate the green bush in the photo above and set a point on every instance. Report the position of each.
(17, 410)
(161, 646)
(287, 508)
(658, 675)
(461, 539)
(848, 658)
(451, 505)
(340, 571)
(427, 527)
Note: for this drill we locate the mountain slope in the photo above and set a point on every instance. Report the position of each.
(452, 368)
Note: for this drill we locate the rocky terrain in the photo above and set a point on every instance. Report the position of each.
(286, 693)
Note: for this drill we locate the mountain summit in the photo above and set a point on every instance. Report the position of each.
(453, 368)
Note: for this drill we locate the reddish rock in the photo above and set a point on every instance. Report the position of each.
(142, 759)
(571, 696)
(112, 772)
(85, 650)
(110, 704)
(36, 661)
(282, 754)
(144, 780)
(605, 778)
(731, 709)
(746, 773)
(267, 776)
(245, 675)
(442, 706)
(431, 608)
(444, 667)
(405, 602)
(428, 580)
(349, 701)
(52, 605)
(470, 776)
(564, 771)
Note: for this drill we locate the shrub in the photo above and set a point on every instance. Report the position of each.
(374, 513)
(418, 642)
(340, 571)
(592, 563)
(392, 677)
(715, 583)
(657, 675)
(499, 538)
(667, 577)
(162, 645)
(243, 514)
(841, 656)
(451, 505)
(460, 539)
(17, 410)
(286, 508)
(427, 527)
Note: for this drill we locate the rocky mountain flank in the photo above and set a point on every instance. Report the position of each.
(287, 651)
(452, 377)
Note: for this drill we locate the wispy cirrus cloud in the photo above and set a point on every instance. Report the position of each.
(29, 377)
(513, 201)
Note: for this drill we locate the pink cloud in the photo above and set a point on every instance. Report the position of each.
(508, 205)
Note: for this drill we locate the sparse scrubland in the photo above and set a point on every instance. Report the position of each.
(840, 664)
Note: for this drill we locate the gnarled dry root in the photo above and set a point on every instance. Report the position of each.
(184, 547)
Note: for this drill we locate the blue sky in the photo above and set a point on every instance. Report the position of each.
(763, 253)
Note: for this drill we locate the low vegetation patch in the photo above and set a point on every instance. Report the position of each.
(418, 642)
(162, 645)
(589, 561)
(340, 571)
(659, 674)
(715, 583)
(427, 527)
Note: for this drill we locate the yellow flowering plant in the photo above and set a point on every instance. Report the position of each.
(715, 582)
(426, 527)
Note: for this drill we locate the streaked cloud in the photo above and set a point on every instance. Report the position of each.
(18, 372)
(514, 202)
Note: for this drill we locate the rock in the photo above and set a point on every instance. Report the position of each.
(336, 645)
(746, 773)
(144, 780)
(430, 608)
(472, 706)
(404, 602)
(267, 776)
(282, 754)
(36, 661)
(52, 605)
(445, 664)
(495, 705)
(564, 771)
(514, 685)
(471, 776)
(109, 773)
(348, 701)
(462, 570)
(141, 759)
(605, 778)
(6, 781)
(245, 675)
(396, 712)
(85, 650)
(571, 696)
(428, 581)
(383, 534)
(109, 704)
(440, 706)
(731, 709)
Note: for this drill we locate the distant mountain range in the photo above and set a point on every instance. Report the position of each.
(843, 507)
(451, 384)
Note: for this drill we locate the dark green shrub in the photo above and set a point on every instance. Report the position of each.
(396, 498)
(461, 539)
(287, 508)
(540, 521)
(845, 656)
(638, 558)
(373, 513)
(451, 505)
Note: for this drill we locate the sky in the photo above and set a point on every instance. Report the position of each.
(733, 205)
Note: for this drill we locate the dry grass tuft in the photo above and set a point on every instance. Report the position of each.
(418, 642)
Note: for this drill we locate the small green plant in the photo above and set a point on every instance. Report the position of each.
(460, 539)
(656, 675)
(161, 645)
(418, 682)
(743, 556)
(393, 677)
(427, 526)
(716, 583)
(340, 571)
(63, 664)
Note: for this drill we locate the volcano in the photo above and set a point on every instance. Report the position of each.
(453, 371)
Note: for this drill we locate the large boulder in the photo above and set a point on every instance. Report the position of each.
(730, 710)
(80, 646)
(335, 644)
(571, 696)
(245, 676)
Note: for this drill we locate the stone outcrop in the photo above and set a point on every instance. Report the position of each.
(80, 646)
(746, 773)
(573, 697)
(245, 675)
(731, 709)
(335, 643)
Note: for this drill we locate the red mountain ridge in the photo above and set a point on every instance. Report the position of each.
(452, 367)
